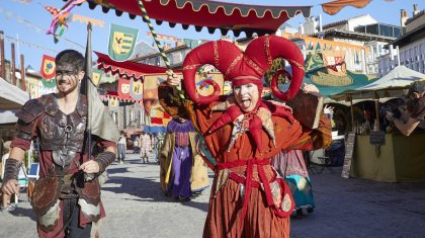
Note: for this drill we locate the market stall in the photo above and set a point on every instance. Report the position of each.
(11, 99)
(382, 153)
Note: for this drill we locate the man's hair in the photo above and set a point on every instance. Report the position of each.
(71, 57)
(416, 87)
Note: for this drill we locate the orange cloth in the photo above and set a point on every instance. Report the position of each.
(334, 7)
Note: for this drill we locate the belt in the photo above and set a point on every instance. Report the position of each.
(247, 180)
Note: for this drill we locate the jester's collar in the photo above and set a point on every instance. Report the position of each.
(251, 122)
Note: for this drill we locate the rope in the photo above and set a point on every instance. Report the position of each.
(158, 44)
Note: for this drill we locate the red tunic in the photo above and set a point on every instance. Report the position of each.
(244, 200)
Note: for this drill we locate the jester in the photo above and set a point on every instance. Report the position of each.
(242, 132)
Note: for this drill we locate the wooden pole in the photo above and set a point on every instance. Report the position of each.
(23, 85)
(2, 59)
(353, 127)
(13, 65)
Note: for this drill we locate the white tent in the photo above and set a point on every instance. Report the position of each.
(399, 77)
(11, 97)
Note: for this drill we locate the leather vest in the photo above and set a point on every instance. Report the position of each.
(61, 132)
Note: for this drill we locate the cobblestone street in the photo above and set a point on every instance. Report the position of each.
(352, 208)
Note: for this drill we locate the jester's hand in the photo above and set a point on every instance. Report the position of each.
(173, 80)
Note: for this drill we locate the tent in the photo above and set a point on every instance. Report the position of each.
(399, 77)
(11, 97)
(199, 13)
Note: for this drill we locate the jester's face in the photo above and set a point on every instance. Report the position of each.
(246, 96)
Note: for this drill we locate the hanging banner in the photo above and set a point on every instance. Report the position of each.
(124, 89)
(113, 104)
(136, 89)
(150, 87)
(48, 83)
(97, 77)
(48, 67)
(121, 42)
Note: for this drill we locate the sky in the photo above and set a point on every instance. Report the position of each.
(26, 21)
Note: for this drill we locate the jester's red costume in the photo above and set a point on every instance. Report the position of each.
(248, 199)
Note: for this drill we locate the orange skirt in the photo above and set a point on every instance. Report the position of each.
(225, 211)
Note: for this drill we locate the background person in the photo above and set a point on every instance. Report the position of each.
(122, 146)
(6, 206)
(145, 146)
(414, 116)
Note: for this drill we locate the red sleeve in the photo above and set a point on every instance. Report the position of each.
(107, 143)
(20, 143)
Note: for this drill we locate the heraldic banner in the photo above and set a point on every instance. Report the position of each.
(121, 42)
(48, 67)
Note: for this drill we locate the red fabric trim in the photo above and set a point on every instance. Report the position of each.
(248, 181)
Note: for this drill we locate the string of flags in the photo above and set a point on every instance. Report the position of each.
(29, 44)
(30, 25)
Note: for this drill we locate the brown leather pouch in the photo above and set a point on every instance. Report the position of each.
(46, 193)
(88, 190)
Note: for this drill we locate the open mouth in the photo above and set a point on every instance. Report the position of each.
(246, 102)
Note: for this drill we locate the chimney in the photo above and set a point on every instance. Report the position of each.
(403, 19)
(415, 9)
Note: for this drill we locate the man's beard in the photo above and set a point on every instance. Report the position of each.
(67, 91)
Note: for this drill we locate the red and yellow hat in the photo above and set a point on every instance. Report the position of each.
(244, 67)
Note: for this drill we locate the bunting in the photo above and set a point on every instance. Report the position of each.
(136, 89)
(163, 37)
(48, 67)
(124, 89)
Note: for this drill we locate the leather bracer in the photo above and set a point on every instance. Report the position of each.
(104, 159)
(11, 169)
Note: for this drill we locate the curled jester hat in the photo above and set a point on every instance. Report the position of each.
(242, 68)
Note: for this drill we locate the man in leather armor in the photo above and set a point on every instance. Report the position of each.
(64, 200)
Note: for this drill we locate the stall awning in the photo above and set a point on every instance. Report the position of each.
(128, 69)
(211, 14)
(11, 97)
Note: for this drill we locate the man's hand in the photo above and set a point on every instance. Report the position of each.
(389, 115)
(90, 167)
(173, 79)
(10, 187)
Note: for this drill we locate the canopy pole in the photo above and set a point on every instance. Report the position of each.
(353, 127)
(157, 42)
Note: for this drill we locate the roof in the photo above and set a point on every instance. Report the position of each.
(199, 13)
(360, 36)
(410, 37)
(11, 97)
(399, 77)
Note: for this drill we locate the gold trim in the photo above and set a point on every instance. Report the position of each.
(216, 54)
(192, 66)
(267, 51)
(233, 64)
(254, 65)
